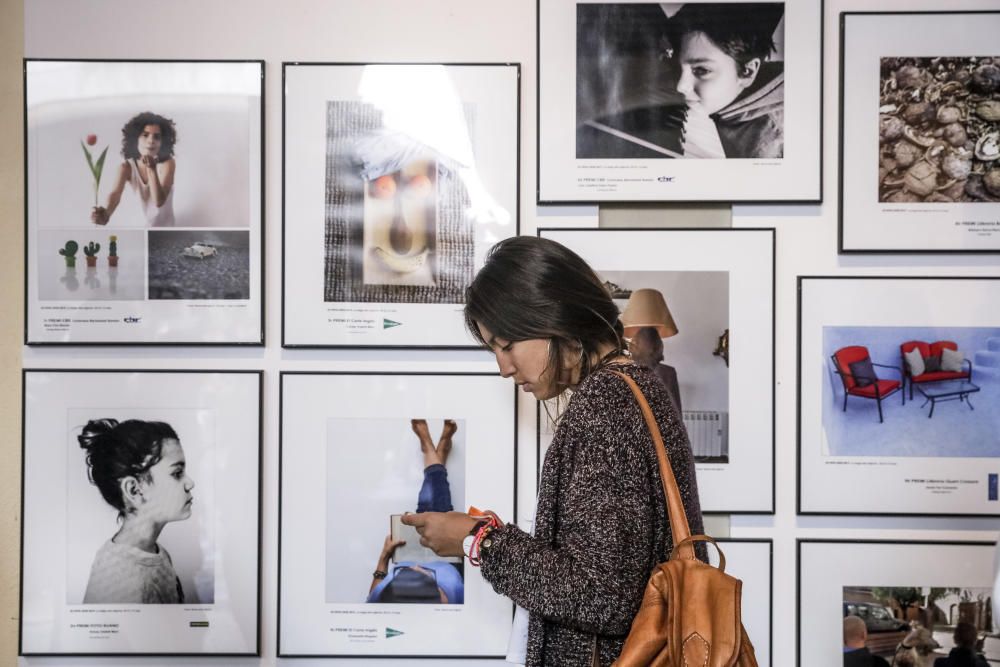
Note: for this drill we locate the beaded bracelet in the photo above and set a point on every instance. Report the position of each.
(490, 523)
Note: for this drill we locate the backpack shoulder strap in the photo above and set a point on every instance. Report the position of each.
(679, 528)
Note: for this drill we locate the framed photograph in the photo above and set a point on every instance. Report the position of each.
(751, 561)
(908, 602)
(687, 101)
(397, 180)
(920, 132)
(144, 202)
(687, 296)
(898, 378)
(141, 513)
(357, 451)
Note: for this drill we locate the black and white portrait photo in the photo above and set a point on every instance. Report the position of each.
(141, 512)
(134, 495)
(672, 80)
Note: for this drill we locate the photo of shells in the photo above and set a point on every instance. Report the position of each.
(939, 130)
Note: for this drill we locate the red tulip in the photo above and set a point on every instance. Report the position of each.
(91, 139)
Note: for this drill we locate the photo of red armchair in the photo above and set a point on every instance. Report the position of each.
(856, 370)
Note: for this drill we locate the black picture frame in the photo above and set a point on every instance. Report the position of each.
(308, 333)
(876, 218)
(283, 653)
(257, 516)
(802, 579)
(688, 250)
(890, 312)
(136, 319)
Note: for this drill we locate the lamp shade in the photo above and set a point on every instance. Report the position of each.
(648, 308)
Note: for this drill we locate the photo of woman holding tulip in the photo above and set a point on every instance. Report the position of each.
(148, 168)
(92, 218)
(135, 121)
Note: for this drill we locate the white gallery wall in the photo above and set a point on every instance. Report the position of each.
(462, 32)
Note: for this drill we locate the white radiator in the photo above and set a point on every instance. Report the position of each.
(708, 431)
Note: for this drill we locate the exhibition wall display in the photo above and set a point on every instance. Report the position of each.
(393, 162)
(144, 202)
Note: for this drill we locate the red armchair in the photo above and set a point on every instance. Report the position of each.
(854, 366)
(930, 375)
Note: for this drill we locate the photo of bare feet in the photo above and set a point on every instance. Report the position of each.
(405, 465)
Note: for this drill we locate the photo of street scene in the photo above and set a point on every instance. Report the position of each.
(919, 625)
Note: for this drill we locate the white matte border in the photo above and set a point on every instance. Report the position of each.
(563, 178)
(309, 626)
(866, 224)
(745, 484)
(750, 560)
(49, 625)
(882, 484)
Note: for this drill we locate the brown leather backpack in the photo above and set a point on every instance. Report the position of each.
(690, 613)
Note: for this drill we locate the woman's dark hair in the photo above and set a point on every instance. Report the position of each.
(651, 347)
(741, 31)
(409, 585)
(133, 128)
(532, 287)
(116, 450)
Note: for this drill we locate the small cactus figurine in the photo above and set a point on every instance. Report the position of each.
(91, 250)
(69, 253)
(113, 251)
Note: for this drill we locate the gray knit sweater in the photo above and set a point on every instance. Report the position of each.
(600, 523)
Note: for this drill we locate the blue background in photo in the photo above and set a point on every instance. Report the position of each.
(954, 431)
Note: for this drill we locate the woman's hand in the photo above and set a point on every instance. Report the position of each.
(148, 160)
(99, 215)
(442, 532)
(388, 548)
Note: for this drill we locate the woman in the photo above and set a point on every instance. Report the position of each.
(148, 148)
(600, 525)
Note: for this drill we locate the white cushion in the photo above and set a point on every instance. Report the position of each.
(951, 360)
(914, 362)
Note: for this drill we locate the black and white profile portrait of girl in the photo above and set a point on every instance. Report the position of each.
(140, 469)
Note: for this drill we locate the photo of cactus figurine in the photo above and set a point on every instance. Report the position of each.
(113, 251)
(91, 250)
(69, 253)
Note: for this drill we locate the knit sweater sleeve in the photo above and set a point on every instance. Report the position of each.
(592, 577)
